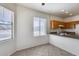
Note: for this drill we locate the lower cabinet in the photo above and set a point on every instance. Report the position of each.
(68, 44)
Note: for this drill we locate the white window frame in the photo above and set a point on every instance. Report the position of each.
(12, 26)
(40, 18)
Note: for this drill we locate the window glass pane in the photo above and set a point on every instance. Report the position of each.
(36, 26)
(39, 26)
(1, 12)
(7, 16)
(42, 26)
(5, 22)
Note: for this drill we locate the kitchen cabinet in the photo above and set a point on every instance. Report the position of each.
(55, 24)
(69, 25)
(66, 25)
(68, 44)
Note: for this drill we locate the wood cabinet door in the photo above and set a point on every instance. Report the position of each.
(55, 24)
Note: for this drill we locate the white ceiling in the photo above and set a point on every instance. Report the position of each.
(55, 8)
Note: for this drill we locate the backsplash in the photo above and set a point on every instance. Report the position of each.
(68, 30)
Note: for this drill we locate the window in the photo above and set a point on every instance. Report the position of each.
(39, 26)
(6, 23)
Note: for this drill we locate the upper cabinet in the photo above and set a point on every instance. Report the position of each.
(54, 24)
(69, 25)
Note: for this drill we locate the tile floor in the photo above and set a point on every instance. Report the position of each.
(43, 50)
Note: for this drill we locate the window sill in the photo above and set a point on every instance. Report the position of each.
(1, 39)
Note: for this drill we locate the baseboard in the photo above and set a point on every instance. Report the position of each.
(29, 48)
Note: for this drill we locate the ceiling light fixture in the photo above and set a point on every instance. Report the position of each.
(43, 4)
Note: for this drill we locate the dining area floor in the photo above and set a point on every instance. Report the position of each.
(43, 50)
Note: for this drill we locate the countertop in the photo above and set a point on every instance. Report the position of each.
(75, 36)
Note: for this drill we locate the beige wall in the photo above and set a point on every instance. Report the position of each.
(57, 18)
(72, 18)
(25, 38)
